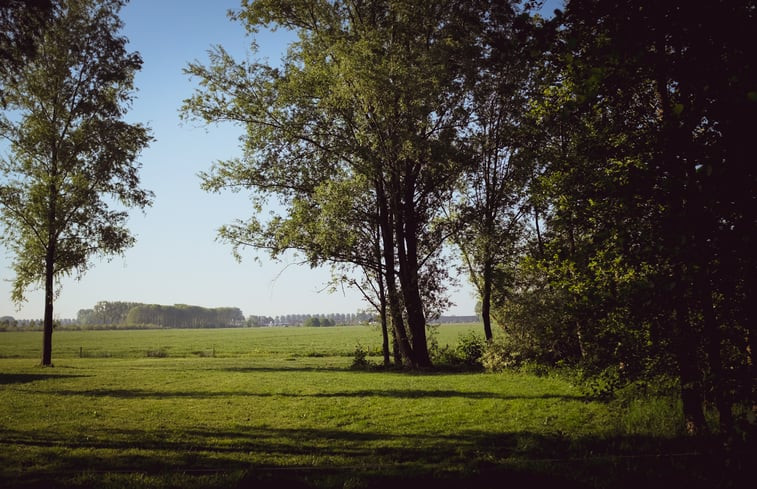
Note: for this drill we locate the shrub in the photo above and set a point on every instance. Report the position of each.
(360, 358)
(503, 353)
(470, 348)
(603, 384)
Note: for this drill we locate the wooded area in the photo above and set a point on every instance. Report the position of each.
(593, 167)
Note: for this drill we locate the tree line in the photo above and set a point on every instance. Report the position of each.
(314, 320)
(132, 314)
(593, 169)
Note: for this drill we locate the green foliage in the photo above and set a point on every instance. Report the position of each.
(183, 316)
(62, 170)
(638, 150)
(312, 322)
(360, 358)
(465, 353)
(603, 384)
(470, 348)
(355, 138)
(502, 354)
(22, 24)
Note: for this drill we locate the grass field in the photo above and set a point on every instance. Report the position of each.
(281, 407)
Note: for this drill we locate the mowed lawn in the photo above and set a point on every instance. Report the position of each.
(281, 407)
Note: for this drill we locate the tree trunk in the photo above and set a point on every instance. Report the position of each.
(688, 375)
(713, 339)
(486, 297)
(384, 325)
(396, 349)
(381, 289)
(47, 334)
(393, 298)
(407, 256)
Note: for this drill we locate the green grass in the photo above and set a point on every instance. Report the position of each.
(237, 343)
(278, 407)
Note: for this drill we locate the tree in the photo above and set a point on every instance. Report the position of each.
(313, 322)
(368, 97)
(648, 191)
(72, 168)
(491, 200)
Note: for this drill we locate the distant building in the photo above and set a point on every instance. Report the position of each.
(456, 320)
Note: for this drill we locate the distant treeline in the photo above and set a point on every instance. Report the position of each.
(312, 320)
(9, 323)
(136, 315)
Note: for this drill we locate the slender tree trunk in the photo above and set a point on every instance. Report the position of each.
(47, 327)
(486, 296)
(47, 334)
(704, 291)
(381, 289)
(688, 374)
(384, 325)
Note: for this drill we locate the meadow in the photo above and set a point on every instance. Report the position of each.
(281, 407)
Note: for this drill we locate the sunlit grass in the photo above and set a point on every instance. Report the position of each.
(233, 342)
(274, 410)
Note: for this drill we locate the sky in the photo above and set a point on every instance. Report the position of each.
(176, 259)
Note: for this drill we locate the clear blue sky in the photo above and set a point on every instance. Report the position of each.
(176, 258)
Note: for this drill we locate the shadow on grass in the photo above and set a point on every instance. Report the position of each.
(364, 393)
(285, 369)
(8, 379)
(312, 458)
(373, 369)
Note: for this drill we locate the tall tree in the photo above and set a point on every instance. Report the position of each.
(72, 169)
(651, 189)
(492, 202)
(367, 94)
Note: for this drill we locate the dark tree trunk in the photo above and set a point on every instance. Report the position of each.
(486, 296)
(393, 298)
(407, 256)
(688, 373)
(396, 349)
(381, 289)
(384, 325)
(47, 334)
(713, 339)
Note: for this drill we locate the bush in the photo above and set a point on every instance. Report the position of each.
(466, 354)
(503, 353)
(601, 384)
(470, 348)
(360, 358)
